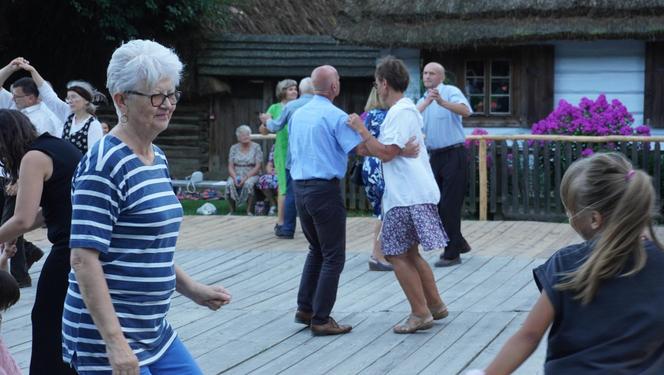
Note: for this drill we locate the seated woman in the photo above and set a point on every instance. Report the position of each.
(244, 162)
(267, 183)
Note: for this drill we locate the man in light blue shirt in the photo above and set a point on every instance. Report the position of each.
(442, 108)
(319, 143)
(287, 230)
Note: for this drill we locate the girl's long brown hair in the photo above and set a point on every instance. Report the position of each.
(16, 135)
(625, 198)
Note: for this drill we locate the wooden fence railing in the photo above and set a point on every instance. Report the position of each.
(518, 176)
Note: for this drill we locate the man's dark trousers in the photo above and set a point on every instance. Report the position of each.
(323, 219)
(450, 167)
(290, 211)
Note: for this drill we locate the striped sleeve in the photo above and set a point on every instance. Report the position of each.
(96, 201)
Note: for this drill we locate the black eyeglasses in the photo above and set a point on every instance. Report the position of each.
(157, 100)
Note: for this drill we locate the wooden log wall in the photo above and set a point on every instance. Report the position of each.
(185, 142)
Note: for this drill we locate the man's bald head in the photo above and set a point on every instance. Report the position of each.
(436, 67)
(433, 75)
(326, 81)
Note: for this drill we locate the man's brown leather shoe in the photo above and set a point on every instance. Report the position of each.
(329, 328)
(303, 317)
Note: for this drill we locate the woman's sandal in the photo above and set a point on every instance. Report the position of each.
(414, 323)
(439, 312)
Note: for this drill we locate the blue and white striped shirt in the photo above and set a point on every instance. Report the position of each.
(128, 212)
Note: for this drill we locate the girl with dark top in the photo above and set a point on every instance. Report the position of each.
(603, 299)
(42, 167)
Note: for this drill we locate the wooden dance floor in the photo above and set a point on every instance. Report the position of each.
(489, 296)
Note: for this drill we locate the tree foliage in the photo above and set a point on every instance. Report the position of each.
(70, 39)
(125, 19)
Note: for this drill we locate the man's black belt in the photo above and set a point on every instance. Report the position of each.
(318, 181)
(444, 149)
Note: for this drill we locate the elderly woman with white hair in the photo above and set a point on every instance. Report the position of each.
(76, 113)
(245, 160)
(125, 223)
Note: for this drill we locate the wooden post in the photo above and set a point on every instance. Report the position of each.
(483, 180)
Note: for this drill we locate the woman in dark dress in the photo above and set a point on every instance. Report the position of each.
(41, 169)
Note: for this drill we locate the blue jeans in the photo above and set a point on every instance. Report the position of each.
(290, 211)
(175, 361)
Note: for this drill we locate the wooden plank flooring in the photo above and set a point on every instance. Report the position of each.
(489, 296)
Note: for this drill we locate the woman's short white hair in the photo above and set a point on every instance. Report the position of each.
(242, 129)
(140, 65)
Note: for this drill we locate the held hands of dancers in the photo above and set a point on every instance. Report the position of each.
(264, 118)
(17, 64)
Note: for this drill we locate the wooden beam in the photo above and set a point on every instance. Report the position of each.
(483, 180)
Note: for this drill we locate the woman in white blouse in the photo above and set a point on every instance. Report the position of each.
(77, 112)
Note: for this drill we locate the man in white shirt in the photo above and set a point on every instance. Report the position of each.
(25, 98)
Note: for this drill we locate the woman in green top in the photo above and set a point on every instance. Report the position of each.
(286, 91)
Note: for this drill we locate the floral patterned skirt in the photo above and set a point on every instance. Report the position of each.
(405, 226)
(267, 181)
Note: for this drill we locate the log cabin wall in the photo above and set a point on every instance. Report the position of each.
(238, 74)
(185, 141)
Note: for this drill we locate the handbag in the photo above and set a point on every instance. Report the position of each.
(356, 172)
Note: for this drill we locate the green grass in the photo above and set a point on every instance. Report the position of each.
(190, 206)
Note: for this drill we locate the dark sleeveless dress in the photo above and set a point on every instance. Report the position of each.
(52, 287)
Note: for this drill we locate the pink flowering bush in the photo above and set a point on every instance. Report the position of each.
(590, 117)
(593, 118)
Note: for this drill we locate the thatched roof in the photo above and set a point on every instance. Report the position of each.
(447, 24)
(240, 55)
(283, 17)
